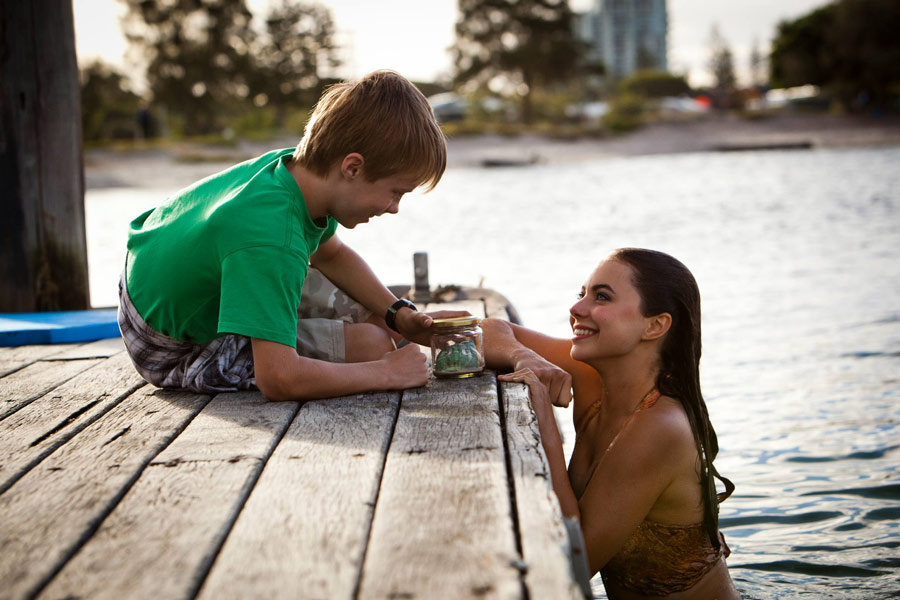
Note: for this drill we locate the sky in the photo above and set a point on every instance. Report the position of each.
(413, 36)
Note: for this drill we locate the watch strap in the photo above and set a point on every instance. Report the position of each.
(390, 317)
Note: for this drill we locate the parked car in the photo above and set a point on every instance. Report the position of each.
(448, 107)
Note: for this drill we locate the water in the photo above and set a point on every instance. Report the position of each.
(797, 255)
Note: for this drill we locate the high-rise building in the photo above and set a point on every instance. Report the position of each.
(626, 35)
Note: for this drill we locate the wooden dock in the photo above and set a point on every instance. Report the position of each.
(111, 488)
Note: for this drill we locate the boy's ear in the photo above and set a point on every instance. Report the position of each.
(352, 165)
(657, 326)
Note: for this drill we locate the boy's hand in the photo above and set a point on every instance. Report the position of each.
(405, 368)
(416, 326)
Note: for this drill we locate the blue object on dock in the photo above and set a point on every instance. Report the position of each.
(20, 329)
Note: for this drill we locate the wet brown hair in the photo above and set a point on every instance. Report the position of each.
(667, 286)
(383, 117)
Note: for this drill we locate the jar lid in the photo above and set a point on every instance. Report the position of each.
(456, 322)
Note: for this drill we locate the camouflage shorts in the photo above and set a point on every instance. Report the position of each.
(226, 363)
(324, 308)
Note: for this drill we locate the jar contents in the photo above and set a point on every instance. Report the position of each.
(456, 347)
(458, 357)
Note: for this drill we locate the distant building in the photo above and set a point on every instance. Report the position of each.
(626, 35)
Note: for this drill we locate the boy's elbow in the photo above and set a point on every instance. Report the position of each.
(271, 388)
(274, 367)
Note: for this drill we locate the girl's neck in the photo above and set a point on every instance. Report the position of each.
(625, 383)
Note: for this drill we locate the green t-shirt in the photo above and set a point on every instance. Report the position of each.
(228, 254)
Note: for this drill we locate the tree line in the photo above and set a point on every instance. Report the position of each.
(208, 65)
(850, 48)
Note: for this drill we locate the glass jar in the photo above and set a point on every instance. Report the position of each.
(456, 347)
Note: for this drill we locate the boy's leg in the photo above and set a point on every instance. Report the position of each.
(333, 326)
(223, 365)
(365, 342)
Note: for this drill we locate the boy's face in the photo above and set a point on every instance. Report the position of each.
(365, 199)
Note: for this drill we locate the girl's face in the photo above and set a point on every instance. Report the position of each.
(606, 320)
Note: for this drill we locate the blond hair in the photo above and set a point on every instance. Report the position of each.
(383, 117)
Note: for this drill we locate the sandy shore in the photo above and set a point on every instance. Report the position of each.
(702, 135)
(178, 165)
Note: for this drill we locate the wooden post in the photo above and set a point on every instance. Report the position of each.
(43, 251)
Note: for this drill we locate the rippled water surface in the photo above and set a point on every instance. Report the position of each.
(798, 259)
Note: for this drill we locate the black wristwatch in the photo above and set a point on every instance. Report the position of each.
(391, 316)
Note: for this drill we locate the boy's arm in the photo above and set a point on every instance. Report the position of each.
(282, 374)
(348, 271)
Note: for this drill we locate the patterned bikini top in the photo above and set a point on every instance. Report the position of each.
(659, 559)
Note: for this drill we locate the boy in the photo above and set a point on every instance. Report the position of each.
(214, 277)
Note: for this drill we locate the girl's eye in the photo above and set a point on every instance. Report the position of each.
(580, 294)
(602, 296)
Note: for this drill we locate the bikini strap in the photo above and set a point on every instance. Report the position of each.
(648, 401)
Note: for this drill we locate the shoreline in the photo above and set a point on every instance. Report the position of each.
(709, 134)
(185, 163)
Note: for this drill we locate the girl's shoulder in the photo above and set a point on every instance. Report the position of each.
(667, 417)
(656, 435)
(666, 431)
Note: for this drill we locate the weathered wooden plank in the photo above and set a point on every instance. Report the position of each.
(96, 349)
(542, 532)
(30, 434)
(495, 307)
(161, 539)
(54, 508)
(442, 525)
(15, 357)
(303, 532)
(35, 380)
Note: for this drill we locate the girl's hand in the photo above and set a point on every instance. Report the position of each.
(540, 397)
(557, 381)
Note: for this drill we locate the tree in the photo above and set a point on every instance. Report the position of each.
(654, 84)
(108, 110)
(721, 61)
(199, 54)
(866, 67)
(757, 66)
(526, 43)
(848, 47)
(799, 54)
(298, 45)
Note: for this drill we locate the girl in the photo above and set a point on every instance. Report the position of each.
(641, 476)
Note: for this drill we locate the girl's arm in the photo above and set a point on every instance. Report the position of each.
(511, 346)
